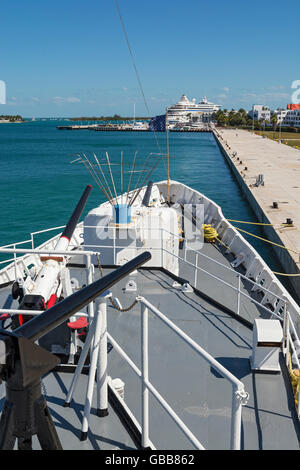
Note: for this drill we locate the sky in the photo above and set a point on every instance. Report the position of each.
(69, 58)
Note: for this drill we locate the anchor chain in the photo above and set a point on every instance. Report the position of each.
(122, 309)
(110, 299)
(99, 265)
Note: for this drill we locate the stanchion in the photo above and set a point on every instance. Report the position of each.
(96, 342)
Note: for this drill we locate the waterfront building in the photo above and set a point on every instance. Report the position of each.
(260, 111)
(285, 117)
(288, 117)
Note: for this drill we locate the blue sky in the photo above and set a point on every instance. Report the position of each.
(69, 57)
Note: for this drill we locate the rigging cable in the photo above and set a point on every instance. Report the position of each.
(136, 71)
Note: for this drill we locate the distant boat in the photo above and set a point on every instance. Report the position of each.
(140, 126)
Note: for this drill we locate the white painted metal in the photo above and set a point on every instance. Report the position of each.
(102, 393)
(265, 356)
(67, 290)
(145, 376)
(98, 347)
(93, 366)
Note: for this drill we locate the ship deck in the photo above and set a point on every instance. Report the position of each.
(199, 395)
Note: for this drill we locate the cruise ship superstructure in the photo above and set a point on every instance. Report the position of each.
(189, 112)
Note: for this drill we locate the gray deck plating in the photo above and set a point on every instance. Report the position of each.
(198, 394)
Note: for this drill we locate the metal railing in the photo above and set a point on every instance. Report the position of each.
(239, 396)
(162, 230)
(255, 285)
(25, 422)
(282, 302)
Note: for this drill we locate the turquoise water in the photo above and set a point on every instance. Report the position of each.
(40, 188)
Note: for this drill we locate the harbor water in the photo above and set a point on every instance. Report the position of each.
(40, 187)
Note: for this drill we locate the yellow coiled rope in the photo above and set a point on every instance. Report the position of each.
(294, 375)
(210, 233)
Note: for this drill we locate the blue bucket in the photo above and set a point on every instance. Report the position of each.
(123, 214)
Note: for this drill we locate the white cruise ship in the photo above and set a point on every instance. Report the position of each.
(185, 111)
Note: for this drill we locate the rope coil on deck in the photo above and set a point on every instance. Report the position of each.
(294, 375)
(210, 233)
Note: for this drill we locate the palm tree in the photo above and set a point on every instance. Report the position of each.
(274, 121)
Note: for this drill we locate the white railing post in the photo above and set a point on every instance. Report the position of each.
(92, 372)
(89, 275)
(286, 328)
(15, 263)
(144, 371)
(102, 392)
(162, 248)
(239, 295)
(236, 418)
(114, 243)
(196, 271)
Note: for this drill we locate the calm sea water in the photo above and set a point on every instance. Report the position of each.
(40, 187)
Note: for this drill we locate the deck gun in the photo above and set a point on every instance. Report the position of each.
(43, 289)
(23, 363)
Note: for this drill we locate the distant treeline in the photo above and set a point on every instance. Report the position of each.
(11, 118)
(116, 117)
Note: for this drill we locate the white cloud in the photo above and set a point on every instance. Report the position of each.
(266, 96)
(62, 100)
(225, 88)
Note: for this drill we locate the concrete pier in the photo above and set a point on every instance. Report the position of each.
(277, 200)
